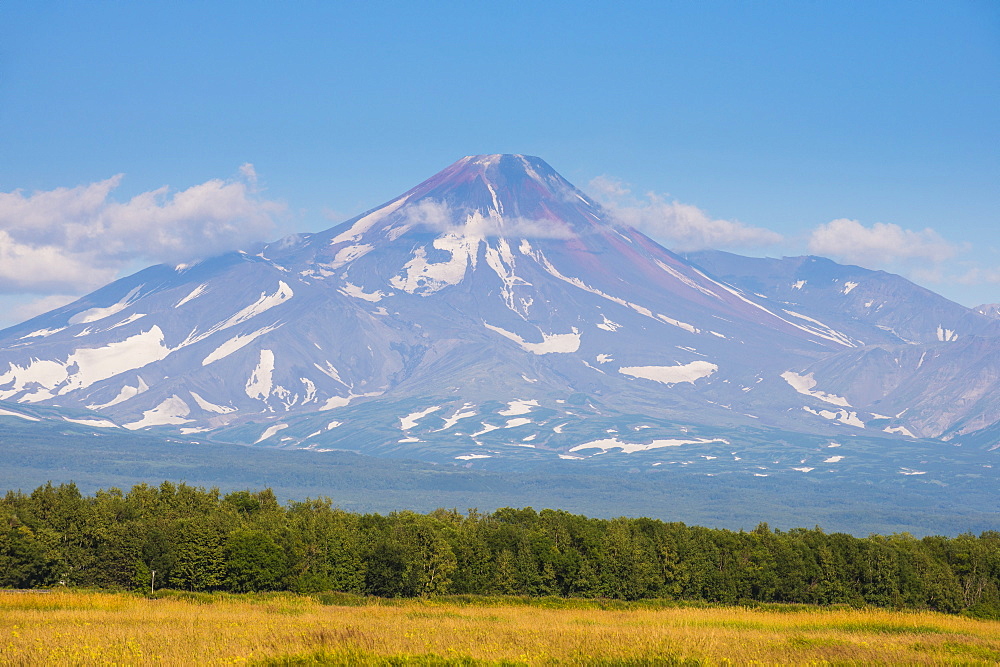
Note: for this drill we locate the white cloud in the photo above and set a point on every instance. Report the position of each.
(249, 173)
(527, 228)
(429, 213)
(979, 276)
(77, 238)
(34, 267)
(681, 226)
(440, 217)
(881, 245)
(21, 312)
(606, 187)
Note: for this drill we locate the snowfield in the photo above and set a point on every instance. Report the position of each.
(690, 372)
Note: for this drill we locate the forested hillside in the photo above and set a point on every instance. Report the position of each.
(197, 539)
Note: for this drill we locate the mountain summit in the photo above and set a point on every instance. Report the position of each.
(492, 312)
(509, 188)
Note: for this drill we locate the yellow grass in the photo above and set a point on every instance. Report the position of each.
(66, 627)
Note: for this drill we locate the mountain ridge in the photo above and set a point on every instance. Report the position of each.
(494, 313)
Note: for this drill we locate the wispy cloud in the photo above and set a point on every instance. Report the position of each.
(25, 310)
(979, 276)
(921, 255)
(880, 245)
(77, 238)
(430, 213)
(440, 217)
(39, 267)
(678, 225)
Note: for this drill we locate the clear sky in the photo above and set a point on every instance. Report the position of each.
(132, 133)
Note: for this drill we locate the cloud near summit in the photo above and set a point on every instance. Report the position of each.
(680, 226)
(442, 218)
(879, 245)
(78, 238)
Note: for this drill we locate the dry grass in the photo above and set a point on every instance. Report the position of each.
(104, 628)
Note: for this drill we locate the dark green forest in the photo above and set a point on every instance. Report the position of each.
(201, 540)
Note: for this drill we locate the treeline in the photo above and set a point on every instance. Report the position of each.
(190, 538)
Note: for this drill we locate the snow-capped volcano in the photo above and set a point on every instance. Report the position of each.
(492, 310)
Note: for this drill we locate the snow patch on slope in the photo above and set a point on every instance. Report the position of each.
(364, 224)
(331, 372)
(518, 407)
(804, 384)
(95, 314)
(211, 407)
(423, 277)
(259, 384)
(42, 333)
(680, 325)
(608, 325)
(345, 256)
(99, 423)
(128, 320)
(501, 260)
(84, 367)
(825, 330)
(269, 431)
(946, 335)
(350, 289)
(842, 416)
(629, 447)
(551, 343)
(486, 429)
(264, 303)
(125, 394)
(685, 280)
(462, 413)
(341, 401)
(576, 282)
(411, 420)
(171, 411)
(101, 363)
(672, 374)
(8, 413)
(194, 294)
(236, 343)
(46, 373)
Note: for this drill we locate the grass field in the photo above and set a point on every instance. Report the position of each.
(67, 627)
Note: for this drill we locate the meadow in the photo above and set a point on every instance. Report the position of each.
(90, 627)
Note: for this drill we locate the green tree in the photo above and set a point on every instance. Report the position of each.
(24, 561)
(198, 560)
(254, 562)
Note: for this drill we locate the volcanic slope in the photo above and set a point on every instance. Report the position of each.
(930, 362)
(492, 312)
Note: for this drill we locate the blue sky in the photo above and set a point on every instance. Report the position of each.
(863, 131)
